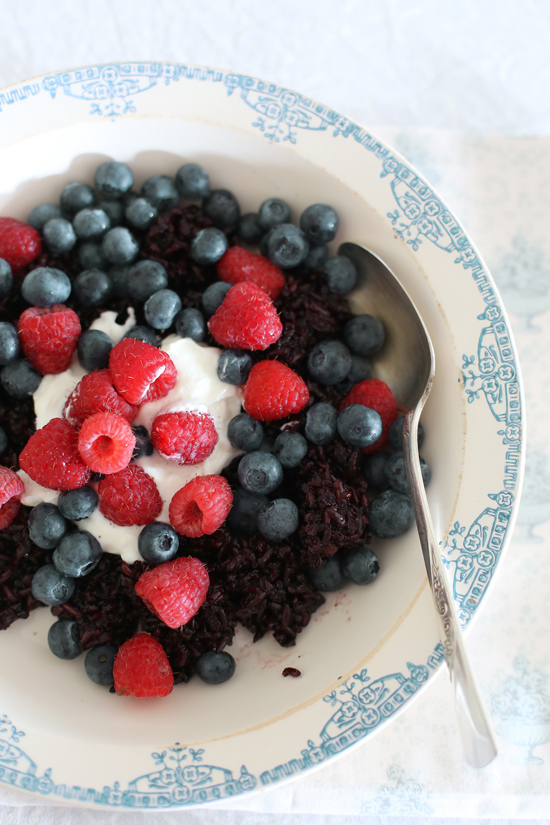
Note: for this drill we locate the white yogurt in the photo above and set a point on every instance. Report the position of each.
(197, 388)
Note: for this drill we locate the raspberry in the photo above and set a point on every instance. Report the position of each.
(95, 392)
(246, 319)
(129, 497)
(184, 437)
(141, 668)
(375, 394)
(19, 243)
(11, 490)
(51, 458)
(238, 265)
(175, 590)
(140, 371)
(201, 506)
(274, 391)
(49, 337)
(106, 442)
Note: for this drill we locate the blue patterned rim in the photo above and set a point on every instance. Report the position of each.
(180, 775)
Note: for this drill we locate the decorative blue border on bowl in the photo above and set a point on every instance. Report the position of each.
(491, 375)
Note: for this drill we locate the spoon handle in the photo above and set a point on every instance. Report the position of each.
(477, 738)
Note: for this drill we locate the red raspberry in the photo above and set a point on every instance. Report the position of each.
(49, 337)
(141, 668)
(175, 590)
(377, 395)
(11, 490)
(184, 437)
(51, 458)
(129, 497)
(106, 442)
(140, 371)
(274, 391)
(238, 265)
(95, 392)
(201, 506)
(19, 243)
(246, 319)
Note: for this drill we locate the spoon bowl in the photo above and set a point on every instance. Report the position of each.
(406, 362)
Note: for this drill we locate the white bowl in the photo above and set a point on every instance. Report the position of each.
(368, 651)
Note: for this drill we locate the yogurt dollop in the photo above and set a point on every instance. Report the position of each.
(197, 388)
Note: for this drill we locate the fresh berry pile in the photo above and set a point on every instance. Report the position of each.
(319, 468)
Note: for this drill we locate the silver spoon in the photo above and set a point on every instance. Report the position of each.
(407, 364)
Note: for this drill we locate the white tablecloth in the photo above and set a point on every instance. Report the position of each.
(438, 81)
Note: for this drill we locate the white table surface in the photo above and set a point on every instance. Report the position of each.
(461, 90)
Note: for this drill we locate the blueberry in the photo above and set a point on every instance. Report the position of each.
(192, 182)
(140, 213)
(234, 366)
(76, 196)
(52, 587)
(243, 516)
(77, 554)
(6, 278)
(91, 223)
(93, 349)
(260, 472)
(215, 668)
(397, 474)
(145, 278)
(59, 235)
(364, 334)
(40, 215)
(208, 246)
(190, 323)
(120, 276)
(245, 433)
(98, 664)
(161, 308)
(3, 441)
(287, 246)
(395, 433)
(47, 525)
(222, 207)
(360, 369)
(160, 190)
(319, 222)
(278, 519)
(249, 229)
(113, 179)
(340, 274)
(329, 577)
(91, 255)
(9, 343)
(329, 362)
(119, 245)
(390, 514)
(63, 639)
(321, 423)
(78, 504)
(317, 256)
(45, 286)
(144, 445)
(360, 565)
(272, 212)
(290, 448)
(359, 425)
(114, 209)
(143, 333)
(213, 296)
(19, 378)
(92, 288)
(158, 543)
(374, 470)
